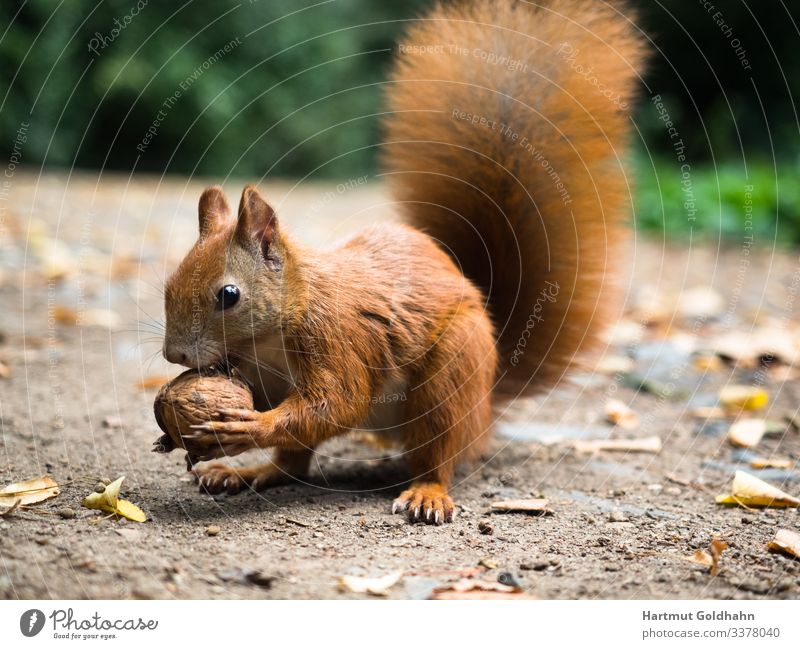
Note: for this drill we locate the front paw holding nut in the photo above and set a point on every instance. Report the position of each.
(235, 431)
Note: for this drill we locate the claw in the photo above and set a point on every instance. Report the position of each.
(436, 517)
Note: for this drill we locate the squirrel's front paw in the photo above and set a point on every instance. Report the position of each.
(216, 477)
(427, 502)
(236, 431)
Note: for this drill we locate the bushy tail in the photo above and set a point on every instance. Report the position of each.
(506, 131)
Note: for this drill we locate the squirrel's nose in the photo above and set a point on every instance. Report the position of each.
(174, 355)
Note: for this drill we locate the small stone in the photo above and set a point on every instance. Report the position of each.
(617, 516)
(212, 530)
(485, 527)
(509, 579)
(67, 512)
(99, 488)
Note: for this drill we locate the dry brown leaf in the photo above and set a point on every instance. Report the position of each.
(530, 505)
(642, 445)
(708, 412)
(370, 585)
(703, 558)
(153, 382)
(718, 546)
(710, 558)
(747, 432)
(478, 589)
(11, 509)
(708, 363)
(749, 491)
(65, 316)
(771, 463)
(786, 541)
(619, 414)
(29, 492)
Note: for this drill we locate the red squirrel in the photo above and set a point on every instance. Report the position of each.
(505, 131)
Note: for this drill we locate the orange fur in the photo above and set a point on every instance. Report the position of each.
(324, 336)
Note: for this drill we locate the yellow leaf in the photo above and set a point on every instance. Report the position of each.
(743, 396)
(130, 511)
(29, 492)
(749, 491)
(109, 501)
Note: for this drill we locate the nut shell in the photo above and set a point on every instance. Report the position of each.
(194, 398)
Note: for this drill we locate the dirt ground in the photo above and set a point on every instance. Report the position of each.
(623, 524)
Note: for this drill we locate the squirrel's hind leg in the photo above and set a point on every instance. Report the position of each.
(448, 414)
(285, 466)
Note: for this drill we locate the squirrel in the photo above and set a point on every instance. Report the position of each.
(505, 131)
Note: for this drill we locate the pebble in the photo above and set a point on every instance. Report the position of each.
(99, 488)
(617, 516)
(485, 527)
(67, 512)
(212, 530)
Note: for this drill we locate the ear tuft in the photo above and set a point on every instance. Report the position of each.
(213, 210)
(257, 221)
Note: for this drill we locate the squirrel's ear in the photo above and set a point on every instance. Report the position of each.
(257, 221)
(213, 209)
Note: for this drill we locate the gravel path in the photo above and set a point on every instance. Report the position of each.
(624, 524)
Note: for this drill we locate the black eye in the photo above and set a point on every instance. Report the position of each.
(228, 296)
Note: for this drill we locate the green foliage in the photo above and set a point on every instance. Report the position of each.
(729, 201)
(298, 92)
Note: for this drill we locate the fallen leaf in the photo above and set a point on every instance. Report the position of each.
(109, 501)
(11, 509)
(478, 589)
(642, 445)
(153, 382)
(710, 558)
(708, 363)
(702, 557)
(747, 432)
(371, 585)
(786, 541)
(746, 397)
(700, 302)
(771, 463)
(749, 491)
(619, 414)
(611, 364)
(718, 546)
(708, 412)
(29, 492)
(65, 316)
(530, 505)
(749, 348)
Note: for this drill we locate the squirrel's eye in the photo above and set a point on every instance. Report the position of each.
(228, 296)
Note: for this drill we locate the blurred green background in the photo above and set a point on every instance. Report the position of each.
(304, 76)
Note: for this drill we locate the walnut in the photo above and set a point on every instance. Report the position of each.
(195, 398)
